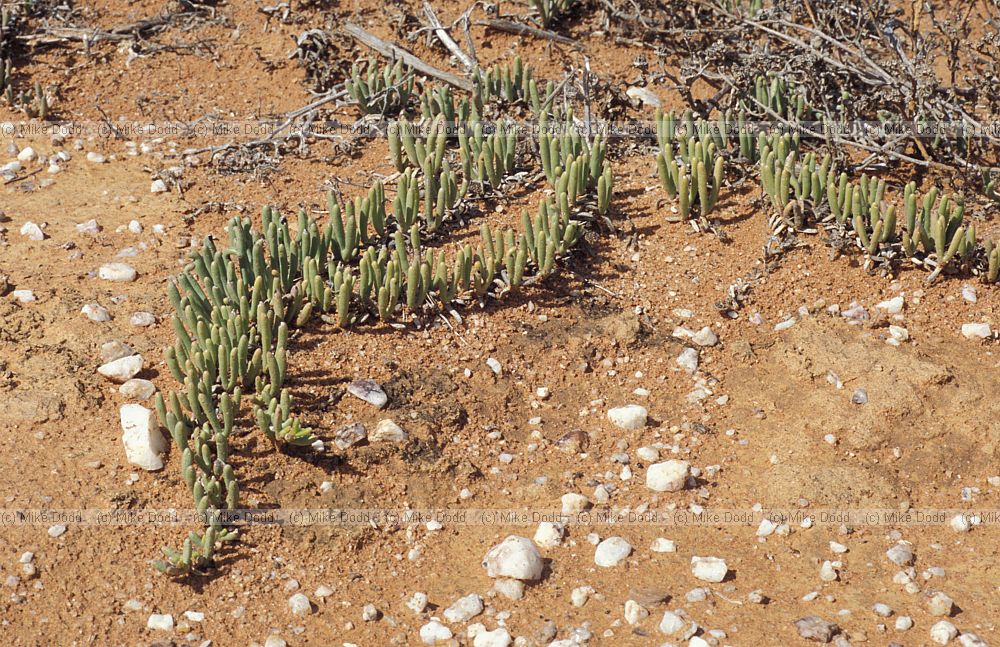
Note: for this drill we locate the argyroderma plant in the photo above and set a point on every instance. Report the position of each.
(235, 305)
(380, 89)
(549, 10)
(694, 175)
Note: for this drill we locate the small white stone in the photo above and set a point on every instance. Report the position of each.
(646, 96)
(323, 591)
(688, 360)
(940, 604)
(121, 370)
(705, 337)
(838, 548)
(23, 296)
(369, 613)
(943, 632)
(784, 325)
(275, 641)
(899, 333)
(160, 622)
(904, 623)
(661, 545)
(464, 609)
(969, 293)
(434, 632)
(892, 307)
(509, 588)
(631, 416)
(648, 454)
(900, 555)
(158, 186)
(142, 319)
(494, 365)
(635, 612)
(766, 528)
(96, 312)
(612, 551)
(417, 602)
(671, 623)
(499, 637)
(369, 391)
(27, 154)
(881, 610)
(976, 330)
(573, 503)
(959, 523)
(388, 431)
(114, 349)
(969, 639)
(515, 557)
(31, 231)
(548, 534)
(141, 437)
(96, 158)
(543, 392)
(134, 227)
(579, 596)
(299, 604)
(89, 227)
(194, 616)
(668, 476)
(119, 272)
(709, 569)
(137, 389)
(56, 530)
(828, 572)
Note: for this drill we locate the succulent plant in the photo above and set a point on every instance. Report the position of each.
(550, 10)
(992, 253)
(488, 159)
(235, 302)
(5, 73)
(775, 94)
(508, 82)
(937, 227)
(197, 553)
(380, 89)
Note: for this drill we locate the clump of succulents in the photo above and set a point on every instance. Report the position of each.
(937, 227)
(773, 94)
(381, 89)
(694, 173)
(235, 303)
(508, 82)
(488, 159)
(550, 10)
(574, 165)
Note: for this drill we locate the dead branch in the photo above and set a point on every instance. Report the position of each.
(511, 27)
(273, 139)
(392, 51)
(446, 39)
(59, 35)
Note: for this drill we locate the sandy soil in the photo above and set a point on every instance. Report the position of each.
(599, 331)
